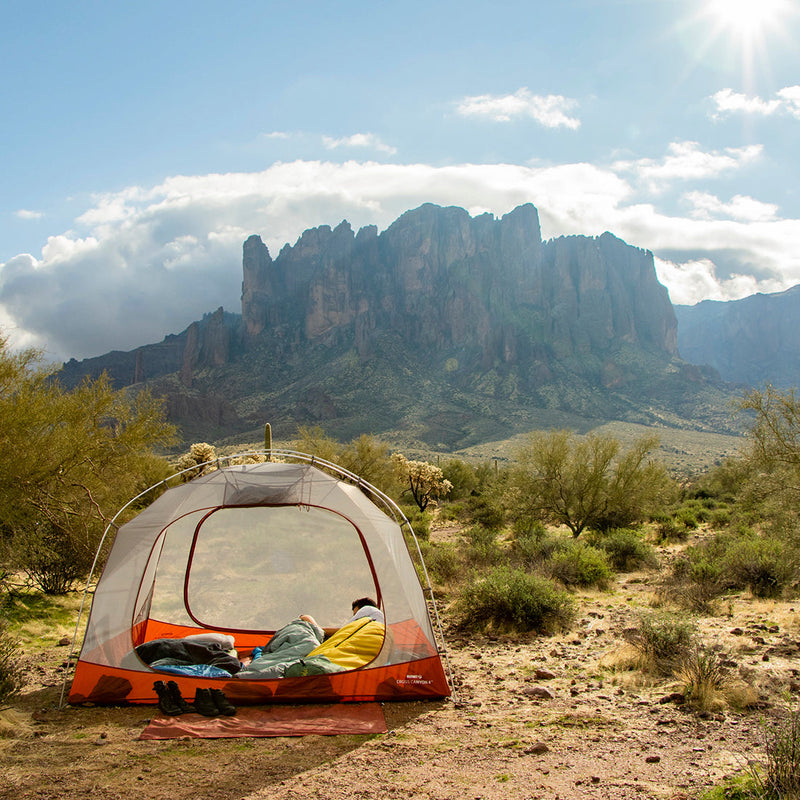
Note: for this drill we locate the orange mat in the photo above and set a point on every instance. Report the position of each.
(352, 718)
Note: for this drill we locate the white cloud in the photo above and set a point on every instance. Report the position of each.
(277, 135)
(25, 213)
(748, 209)
(147, 261)
(686, 161)
(549, 110)
(365, 140)
(726, 101)
(694, 280)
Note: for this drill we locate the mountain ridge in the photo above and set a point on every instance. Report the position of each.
(454, 326)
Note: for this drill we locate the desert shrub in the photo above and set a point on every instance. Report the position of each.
(687, 517)
(626, 549)
(720, 517)
(668, 529)
(486, 510)
(780, 776)
(764, 566)
(482, 546)
(10, 668)
(442, 561)
(451, 511)
(53, 558)
(462, 477)
(703, 676)
(579, 564)
(664, 641)
(696, 580)
(513, 600)
(532, 543)
(420, 520)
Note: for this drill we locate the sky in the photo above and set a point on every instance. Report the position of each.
(144, 142)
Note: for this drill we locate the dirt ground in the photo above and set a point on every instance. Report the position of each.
(560, 718)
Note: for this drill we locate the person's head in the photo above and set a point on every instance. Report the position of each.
(361, 602)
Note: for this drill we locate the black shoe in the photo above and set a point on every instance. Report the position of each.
(224, 706)
(165, 702)
(204, 703)
(175, 694)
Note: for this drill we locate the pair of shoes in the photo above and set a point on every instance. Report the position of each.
(170, 701)
(212, 703)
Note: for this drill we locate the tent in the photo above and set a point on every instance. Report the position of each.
(241, 551)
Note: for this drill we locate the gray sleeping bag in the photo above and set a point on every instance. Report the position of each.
(287, 646)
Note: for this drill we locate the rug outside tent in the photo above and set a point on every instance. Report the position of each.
(302, 720)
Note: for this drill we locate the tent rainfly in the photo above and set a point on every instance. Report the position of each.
(243, 550)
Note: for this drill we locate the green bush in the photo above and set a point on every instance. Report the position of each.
(508, 599)
(442, 561)
(780, 777)
(687, 517)
(451, 511)
(482, 547)
(532, 543)
(764, 566)
(579, 564)
(10, 668)
(696, 580)
(664, 641)
(420, 520)
(720, 517)
(670, 530)
(626, 549)
(486, 510)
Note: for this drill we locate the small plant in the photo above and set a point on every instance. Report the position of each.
(764, 566)
(420, 520)
(482, 547)
(703, 677)
(780, 776)
(442, 561)
(626, 549)
(10, 668)
(513, 600)
(579, 564)
(664, 641)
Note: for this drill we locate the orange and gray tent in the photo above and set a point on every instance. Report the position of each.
(241, 551)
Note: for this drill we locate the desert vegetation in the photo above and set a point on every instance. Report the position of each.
(511, 551)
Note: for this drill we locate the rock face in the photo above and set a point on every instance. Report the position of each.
(450, 328)
(751, 341)
(447, 282)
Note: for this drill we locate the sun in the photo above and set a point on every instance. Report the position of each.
(748, 19)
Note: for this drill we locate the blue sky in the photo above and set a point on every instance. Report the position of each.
(143, 142)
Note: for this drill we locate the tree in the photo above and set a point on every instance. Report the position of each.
(68, 461)
(365, 456)
(773, 456)
(425, 481)
(584, 483)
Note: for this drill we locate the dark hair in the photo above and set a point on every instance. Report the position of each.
(363, 601)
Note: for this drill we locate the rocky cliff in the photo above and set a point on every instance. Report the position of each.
(751, 341)
(453, 327)
(445, 281)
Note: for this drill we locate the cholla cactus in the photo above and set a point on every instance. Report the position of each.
(199, 453)
(425, 481)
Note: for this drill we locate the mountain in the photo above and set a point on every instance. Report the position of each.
(451, 328)
(750, 341)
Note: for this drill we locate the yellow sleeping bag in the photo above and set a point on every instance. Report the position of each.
(353, 645)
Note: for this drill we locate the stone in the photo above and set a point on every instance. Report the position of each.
(537, 748)
(539, 691)
(544, 675)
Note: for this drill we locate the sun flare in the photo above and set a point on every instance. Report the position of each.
(747, 18)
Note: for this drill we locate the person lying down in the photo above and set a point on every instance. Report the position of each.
(301, 647)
